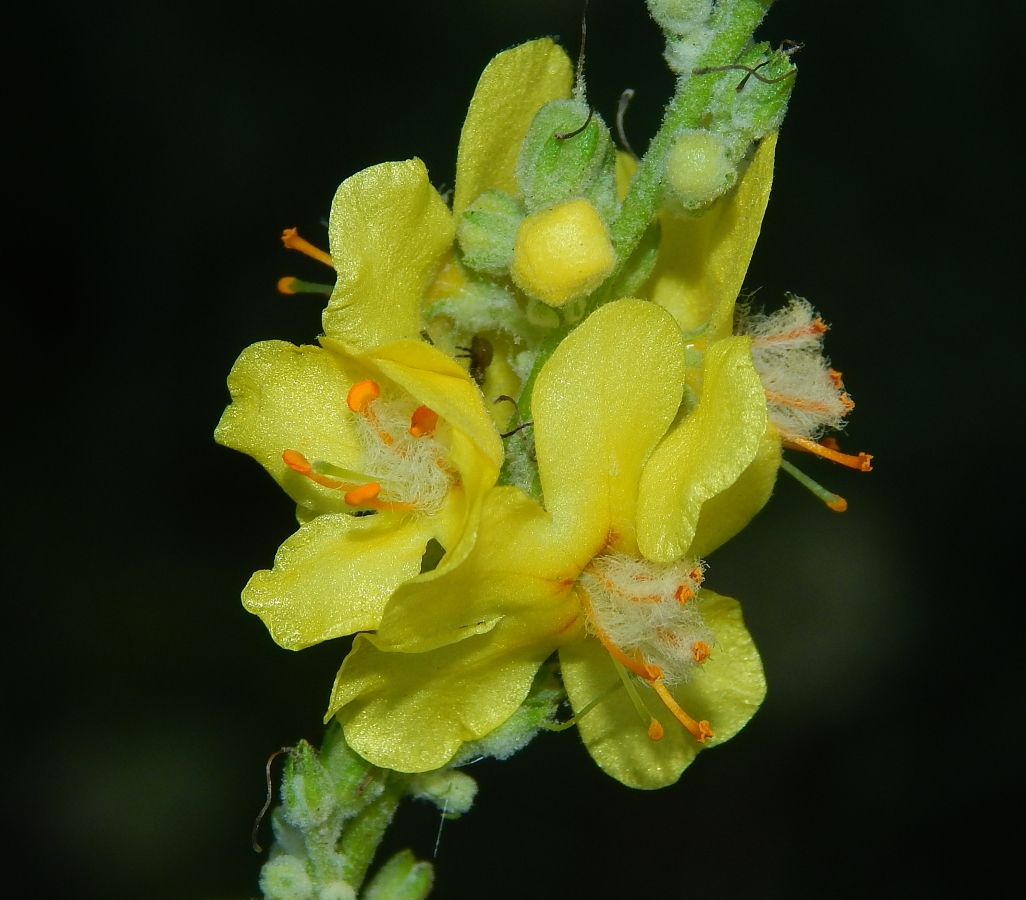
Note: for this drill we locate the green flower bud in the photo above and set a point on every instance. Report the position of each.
(286, 878)
(680, 16)
(401, 878)
(698, 168)
(336, 890)
(356, 782)
(450, 790)
(307, 789)
(759, 107)
(487, 230)
(562, 158)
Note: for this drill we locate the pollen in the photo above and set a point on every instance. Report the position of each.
(362, 394)
(423, 421)
(700, 651)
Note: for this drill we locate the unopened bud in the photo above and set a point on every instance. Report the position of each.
(307, 791)
(562, 253)
(698, 168)
(679, 16)
(286, 878)
(567, 153)
(487, 230)
(450, 790)
(401, 878)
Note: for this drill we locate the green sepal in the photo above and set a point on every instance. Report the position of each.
(557, 164)
(487, 231)
(401, 878)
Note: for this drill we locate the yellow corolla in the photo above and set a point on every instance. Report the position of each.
(398, 433)
(375, 420)
(605, 572)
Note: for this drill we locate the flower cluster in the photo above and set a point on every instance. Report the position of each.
(532, 415)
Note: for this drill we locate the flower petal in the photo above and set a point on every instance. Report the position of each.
(726, 692)
(726, 513)
(732, 685)
(288, 397)
(519, 572)
(412, 711)
(705, 454)
(613, 731)
(334, 576)
(600, 405)
(512, 88)
(389, 230)
(702, 261)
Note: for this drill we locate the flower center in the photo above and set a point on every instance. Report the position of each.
(404, 466)
(643, 614)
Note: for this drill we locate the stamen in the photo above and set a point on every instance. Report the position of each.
(290, 285)
(361, 395)
(860, 462)
(423, 421)
(816, 326)
(299, 463)
(700, 651)
(573, 720)
(683, 593)
(654, 730)
(699, 730)
(360, 496)
(836, 502)
(292, 241)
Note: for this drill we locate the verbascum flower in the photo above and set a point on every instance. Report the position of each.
(605, 572)
(375, 421)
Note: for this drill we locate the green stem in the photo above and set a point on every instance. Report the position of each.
(362, 835)
(734, 24)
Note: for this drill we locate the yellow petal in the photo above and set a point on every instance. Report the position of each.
(613, 731)
(519, 572)
(726, 513)
(389, 230)
(439, 382)
(513, 87)
(702, 261)
(626, 166)
(288, 397)
(334, 576)
(726, 692)
(705, 454)
(412, 711)
(600, 404)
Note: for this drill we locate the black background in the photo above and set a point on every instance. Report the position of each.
(160, 149)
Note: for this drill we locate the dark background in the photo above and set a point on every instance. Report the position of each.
(161, 148)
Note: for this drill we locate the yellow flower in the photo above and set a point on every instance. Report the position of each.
(625, 485)
(336, 452)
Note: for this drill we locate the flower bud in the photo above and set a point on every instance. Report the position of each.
(401, 878)
(562, 253)
(679, 16)
(307, 791)
(450, 790)
(567, 153)
(286, 878)
(698, 168)
(487, 230)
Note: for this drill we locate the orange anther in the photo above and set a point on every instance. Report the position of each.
(700, 651)
(362, 394)
(285, 285)
(683, 593)
(297, 462)
(838, 504)
(835, 378)
(359, 496)
(423, 421)
(699, 730)
(696, 575)
(860, 462)
(655, 730)
(291, 239)
(831, 444)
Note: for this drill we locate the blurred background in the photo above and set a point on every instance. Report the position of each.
(162, 147)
